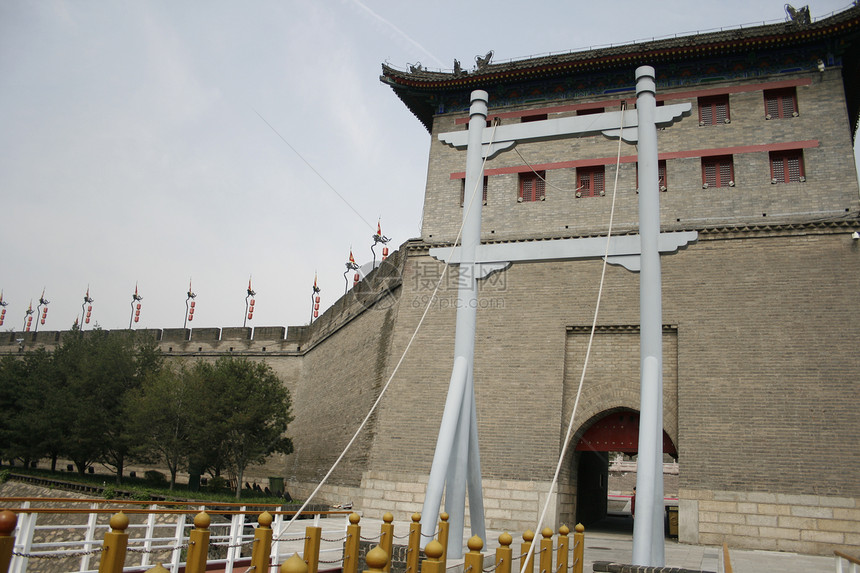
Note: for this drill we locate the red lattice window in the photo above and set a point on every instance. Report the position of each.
(590, 181)
(463, 191)
(787, 166)
(662, 182)
(532, 186)
(590, 111)
(780, 104)
(714, 110)
(718, 171)
(528, 118)
(489, 124)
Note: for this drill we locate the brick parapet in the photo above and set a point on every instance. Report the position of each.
(183, 339)
(380, 285)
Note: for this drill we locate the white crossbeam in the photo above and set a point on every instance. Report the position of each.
(622, 249)
(506, 136)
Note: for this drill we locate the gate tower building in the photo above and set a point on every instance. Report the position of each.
(759, 315)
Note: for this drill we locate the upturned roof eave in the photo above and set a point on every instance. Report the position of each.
(684, 47)
(414, 86)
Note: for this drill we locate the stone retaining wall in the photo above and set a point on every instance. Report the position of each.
(509, 505)
(810, 524)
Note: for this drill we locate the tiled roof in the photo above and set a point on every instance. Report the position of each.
(414, 85)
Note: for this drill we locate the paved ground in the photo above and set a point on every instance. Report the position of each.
(612, 540)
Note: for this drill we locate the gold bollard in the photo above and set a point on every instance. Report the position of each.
(433, 563)
(545, 559)
(261, 554)
(159, 568)
(529, 567)
(294, 564)
(563, 549)
(116, 541)
(312, 547)
(386, 538)
(8, 521)
(350, 546)
(413, 550)
(376, 560)
(474, 561)
(504, 554)
(727, 562)
(578, 548)
(198, 544)
(444, 526)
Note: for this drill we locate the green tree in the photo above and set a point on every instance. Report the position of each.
(163, 414)
(31, 390)
(249, 410)
(40, 432)
(98, 370)
(207, 454)
(13, 376)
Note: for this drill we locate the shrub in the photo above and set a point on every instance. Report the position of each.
(109, 492)
(155, 478)
(217, 484)
(4, 476)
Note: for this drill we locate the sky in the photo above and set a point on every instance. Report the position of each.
(149, 144)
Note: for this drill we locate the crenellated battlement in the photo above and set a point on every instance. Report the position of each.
(179, 340)
(378, 285)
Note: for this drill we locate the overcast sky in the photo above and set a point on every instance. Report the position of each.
(138, 144)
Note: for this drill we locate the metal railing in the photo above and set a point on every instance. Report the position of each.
(157, 534)
(262, 546)
(853, 563)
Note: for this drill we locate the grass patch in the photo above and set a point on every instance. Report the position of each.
(143, 489)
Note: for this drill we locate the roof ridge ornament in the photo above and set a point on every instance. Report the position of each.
(799, 16)
(482, 64)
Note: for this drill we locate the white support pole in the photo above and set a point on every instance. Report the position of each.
(648, 541)
(634, 253)
(455, 491)
(444, 446)
(277, 531)
(89, 537)
(456, 419)
(24, 539)
(148, 536)
(643, 549)
(476, 494)
(178, 536)
(234, 551)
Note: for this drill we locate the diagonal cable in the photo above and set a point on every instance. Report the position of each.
(569, 435)
(318, 174)
(382, 392)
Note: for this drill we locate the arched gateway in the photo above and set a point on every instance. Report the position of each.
(609, 431)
